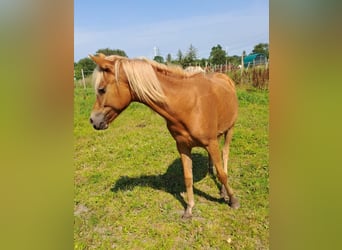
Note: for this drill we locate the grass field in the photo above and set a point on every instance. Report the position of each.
(128, 183)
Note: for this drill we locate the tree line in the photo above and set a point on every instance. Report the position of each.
(218, 56)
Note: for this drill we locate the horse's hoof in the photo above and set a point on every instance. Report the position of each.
(224, 194)
(234, 203)
(186, 216)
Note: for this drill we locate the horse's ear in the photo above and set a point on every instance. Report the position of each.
(101, 55)
(102, 62)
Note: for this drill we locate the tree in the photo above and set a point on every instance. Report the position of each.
(109, 52)
(168, 58)
(218, 55)
(179, 56)
(262, 48)
(235, 60)
(159, 59)
(86, 64)
(203, 62)
(77, 72)
(190, 56)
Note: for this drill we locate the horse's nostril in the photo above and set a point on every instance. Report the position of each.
(91, 121)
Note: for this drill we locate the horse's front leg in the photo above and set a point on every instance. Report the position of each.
(185, 153)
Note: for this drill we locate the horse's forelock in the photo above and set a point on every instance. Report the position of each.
(97, 77)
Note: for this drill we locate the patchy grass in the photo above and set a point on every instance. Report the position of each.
(128, 183)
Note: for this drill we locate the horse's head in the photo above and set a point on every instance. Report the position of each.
(112, 92)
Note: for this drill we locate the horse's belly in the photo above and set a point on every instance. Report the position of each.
(182, 135)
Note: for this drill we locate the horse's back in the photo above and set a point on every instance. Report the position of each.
(217, 102)
(222, 79)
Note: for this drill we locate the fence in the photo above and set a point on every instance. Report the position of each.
(257, 76)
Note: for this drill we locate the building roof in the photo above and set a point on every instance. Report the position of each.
(251, 57)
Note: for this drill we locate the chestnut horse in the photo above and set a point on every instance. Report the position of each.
(198, 109)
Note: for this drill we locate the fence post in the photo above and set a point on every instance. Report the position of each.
(83, 79)
(242, 65)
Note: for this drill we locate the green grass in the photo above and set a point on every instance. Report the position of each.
(128, 183)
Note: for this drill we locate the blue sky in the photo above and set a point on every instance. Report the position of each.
(138, 26)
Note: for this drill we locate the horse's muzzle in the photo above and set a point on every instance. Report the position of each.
(98, 121)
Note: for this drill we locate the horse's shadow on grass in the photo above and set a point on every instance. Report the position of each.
(172, 181)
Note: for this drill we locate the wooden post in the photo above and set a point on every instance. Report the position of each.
(242, 66)
(83, 79)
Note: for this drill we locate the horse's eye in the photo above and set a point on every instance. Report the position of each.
(101, 91)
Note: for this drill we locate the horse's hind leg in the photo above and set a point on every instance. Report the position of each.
(214, 151)
(211, 168)
(185, 154)
(225, 155)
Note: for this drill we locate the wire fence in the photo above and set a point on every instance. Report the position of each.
(255, 74)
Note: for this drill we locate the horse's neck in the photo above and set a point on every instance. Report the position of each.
(165, 109)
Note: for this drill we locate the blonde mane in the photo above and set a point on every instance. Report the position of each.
(141, 75)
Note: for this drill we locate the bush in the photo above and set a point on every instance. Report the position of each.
(258, 77)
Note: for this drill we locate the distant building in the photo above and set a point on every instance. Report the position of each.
(254, 59)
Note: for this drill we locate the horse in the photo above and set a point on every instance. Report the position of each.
(194, 69)
(198, 109)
